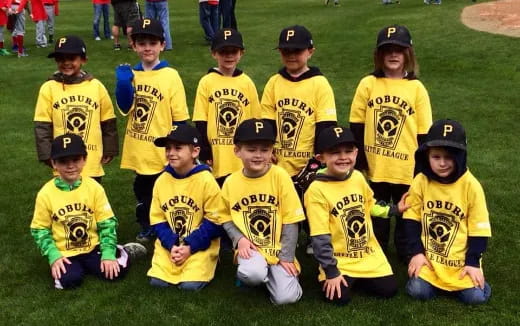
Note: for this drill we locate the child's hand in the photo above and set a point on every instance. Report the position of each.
(402, 205)
(110, 268)
(124, 72)
(244, 248)
(180, 254)
(58, 267)
(333, 285)
(475, 274)
(416, 263)
(289, 267)
(106, 159)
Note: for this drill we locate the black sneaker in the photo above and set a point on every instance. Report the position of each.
(117, 47)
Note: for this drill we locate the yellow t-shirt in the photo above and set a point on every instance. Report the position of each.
(342, 209)
(184, 203)
(72, 216)
(159, 100)
(297, 107)
(394, 112)
(449, 214)
(224, 102)
(78, 109)
(259, 207)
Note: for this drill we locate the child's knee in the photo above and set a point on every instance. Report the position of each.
(418, 288)
(192, 286)
(252, 274)
(158, 283)
(71, 279)
(475, 295)
(290, 295)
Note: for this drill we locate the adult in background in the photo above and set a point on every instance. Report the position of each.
(227, 13)
(101, 7)
(126, 13)
(209, 19)
(158, 10)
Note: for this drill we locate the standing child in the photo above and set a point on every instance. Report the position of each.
(152, 94)
(52, 10)
(183, 214)
(338, 204)
(448, 221)
(158, 9)
(39, 17)
(3, 23)
(260, 213)
(298, 101)
(389, 116)
(73, 224)
(126, 15)
(101, 7)
(72, 101)
(17, 10)
(225, 97)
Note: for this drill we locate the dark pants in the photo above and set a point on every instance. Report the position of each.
(389, 192)
(383, 287)
(143, 190)
(227, 13)
(89, 263)
(208, 16)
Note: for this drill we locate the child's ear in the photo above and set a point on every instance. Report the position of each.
(236, 149)
(53, 163)
(320, 158)
(195, 152)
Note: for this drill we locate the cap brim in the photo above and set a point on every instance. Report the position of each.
(221, 46)
(332, 145)
(68, 154)
(445, 143)
(293, 46)
(235, 141)
(394, 42)
(56, 53)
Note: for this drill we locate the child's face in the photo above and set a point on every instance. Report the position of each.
(181, 156)
(148, 49)
(441, 161)
(255, 157)
(70, 64)
(393, 58)
(228, 57)
(340, 160)
(69, 168)
(295, 60)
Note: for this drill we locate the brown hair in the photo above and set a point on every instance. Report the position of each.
(410, 63)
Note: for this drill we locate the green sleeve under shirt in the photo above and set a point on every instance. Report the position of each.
(383, 210)
(46, 244)
(108, 238)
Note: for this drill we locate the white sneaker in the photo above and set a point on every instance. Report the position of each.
(135, 250)
(97, 38)
(309, 250)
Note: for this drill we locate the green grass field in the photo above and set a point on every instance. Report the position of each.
(471, 76)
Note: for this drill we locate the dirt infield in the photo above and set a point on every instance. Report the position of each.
(498, 17)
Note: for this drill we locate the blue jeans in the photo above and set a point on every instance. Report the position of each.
(186, 286)
(159, 11)
(208, 15)
(226, 9)
(98, 9)
(418, 288)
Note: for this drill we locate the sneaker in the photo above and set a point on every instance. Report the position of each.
(117, 47)
(145, 236)
(23, 54)
(309, 250)
(326, 2)
(135, 250)
(4, 52)
(97, 38)
(51, 39)
(336, 4)
(426, 2)
(111, 37)
(41, 45)
(14, 48)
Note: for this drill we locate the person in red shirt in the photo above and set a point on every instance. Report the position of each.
(52, 10)
(3, 24)
(17, 10)
(39, 17)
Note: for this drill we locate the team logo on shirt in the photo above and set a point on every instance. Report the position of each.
(389, 123)
(77, 120)
(260, 224)
(440, 231)
(76, 231)
(290, 128)
(355, 228)
(181, 219)
(143, 113)
(228, 115)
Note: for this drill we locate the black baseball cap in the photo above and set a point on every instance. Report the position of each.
(333, 136)
(67, 145)
(148, 26)
(394, 34)
(183, 134)
(295, 37)
(69, 44)
(446, 133)
(254, 130)
(227, 37)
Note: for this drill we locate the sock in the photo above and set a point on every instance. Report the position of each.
(2, 45)
(20, 44)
